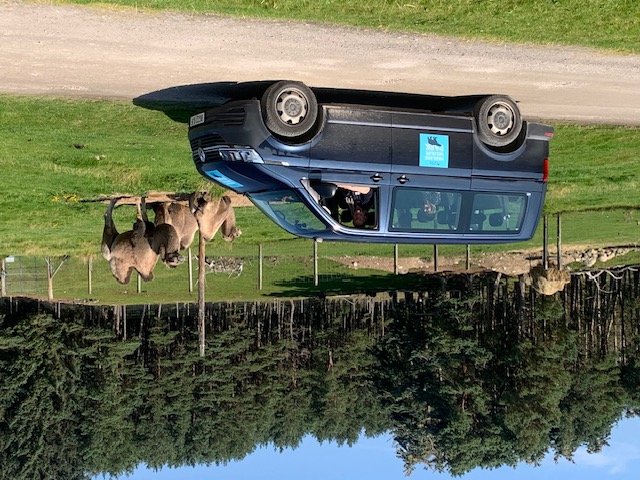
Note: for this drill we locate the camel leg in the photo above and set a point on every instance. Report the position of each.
(143, 227)
(109, 233)
(166, 213)
(142, 209)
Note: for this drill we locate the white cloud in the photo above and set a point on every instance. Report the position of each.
(621, 456)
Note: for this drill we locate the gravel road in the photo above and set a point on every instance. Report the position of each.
(97, 52)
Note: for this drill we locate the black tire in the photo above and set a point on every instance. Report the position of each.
(289, 109)
(498, 121)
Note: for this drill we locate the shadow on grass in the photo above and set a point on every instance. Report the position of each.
(182, 101)
(370, 285)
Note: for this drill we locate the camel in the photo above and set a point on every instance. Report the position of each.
(205, 212)
(180, 217)
(138, 249)
(213, 215)
(173, 229)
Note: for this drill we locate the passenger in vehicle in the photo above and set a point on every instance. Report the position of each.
(353, 204)
(431, 201)
(420, 209)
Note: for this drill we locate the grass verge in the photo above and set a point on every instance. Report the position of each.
(605, 24)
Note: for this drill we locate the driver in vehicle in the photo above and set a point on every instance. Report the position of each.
(360, 217)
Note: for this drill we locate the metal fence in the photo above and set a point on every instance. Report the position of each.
(24, 276)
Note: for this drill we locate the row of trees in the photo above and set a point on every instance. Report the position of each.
(473, 372)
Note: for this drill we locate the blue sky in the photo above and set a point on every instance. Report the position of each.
(375, 459)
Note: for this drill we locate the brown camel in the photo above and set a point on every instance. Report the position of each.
(140, 248)
(214, 214)
(180, 218)
(205, 212)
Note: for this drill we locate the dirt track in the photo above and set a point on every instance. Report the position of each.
(93, 52)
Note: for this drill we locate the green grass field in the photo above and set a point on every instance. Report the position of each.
(288, 266)
(606, 24)
(60, 153)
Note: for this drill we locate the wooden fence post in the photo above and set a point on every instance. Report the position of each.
(52, 273)
(396, 266)
(545, 242)
(559, 241)
(435, 258)
(315, 262)
(190, 265)
(3, 278)
(260, 267)
(89, 276)
(49, 278)
(467, 262)
(201, 301)
(124, 323)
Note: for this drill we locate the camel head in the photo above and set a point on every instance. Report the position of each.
(198, 202)
(172, 260)
(232, 235)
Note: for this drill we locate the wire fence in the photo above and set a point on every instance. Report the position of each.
(24, 276)
(260, 268)
(81, 278)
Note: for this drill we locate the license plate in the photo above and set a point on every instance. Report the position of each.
(196, 120)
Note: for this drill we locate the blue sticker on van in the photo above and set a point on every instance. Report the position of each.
(223, 179)
(434, 150)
